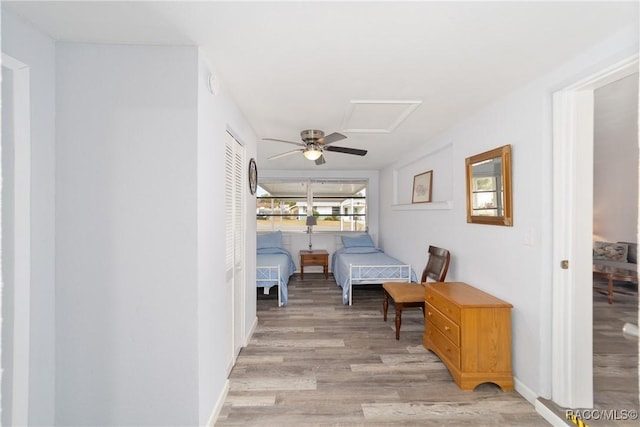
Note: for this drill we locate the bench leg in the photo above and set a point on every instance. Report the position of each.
(398, 319)
(385, 304)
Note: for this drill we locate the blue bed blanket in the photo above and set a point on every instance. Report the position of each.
(268, 257)
(369, 256)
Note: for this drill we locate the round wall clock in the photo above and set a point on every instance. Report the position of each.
(253, 176)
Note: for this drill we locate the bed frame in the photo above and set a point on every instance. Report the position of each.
(269, 273)
(392, 273)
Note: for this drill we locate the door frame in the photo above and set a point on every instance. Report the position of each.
(572, 300)
(22, 238)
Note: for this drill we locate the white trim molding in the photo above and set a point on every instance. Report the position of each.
(22, 238)
(395, 118)
(443, 205)
(218, 406)
(572, 318)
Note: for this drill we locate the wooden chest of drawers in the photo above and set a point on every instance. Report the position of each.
(470, 331)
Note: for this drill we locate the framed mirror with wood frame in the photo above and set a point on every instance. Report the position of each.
(489, 199)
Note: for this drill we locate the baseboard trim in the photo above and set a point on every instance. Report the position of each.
(525, 391)
(254, 325)
(550, 412)
(223, 395)
(546, 408)
(219, 404)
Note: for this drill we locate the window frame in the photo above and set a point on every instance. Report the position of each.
(308, 198)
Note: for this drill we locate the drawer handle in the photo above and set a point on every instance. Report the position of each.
(446, 328)
(429, 314)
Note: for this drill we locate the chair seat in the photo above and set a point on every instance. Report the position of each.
(405, 292)
(412, 294)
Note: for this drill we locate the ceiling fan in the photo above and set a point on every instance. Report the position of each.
(314, 143)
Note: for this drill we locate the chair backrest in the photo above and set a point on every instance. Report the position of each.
(437, 265)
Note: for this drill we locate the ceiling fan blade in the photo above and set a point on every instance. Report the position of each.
(277, 156)
(320, 160)
(332, 137)
(346, 150)
(302, 144)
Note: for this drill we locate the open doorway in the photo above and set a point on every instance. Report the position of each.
(615, 230)
(572, 324)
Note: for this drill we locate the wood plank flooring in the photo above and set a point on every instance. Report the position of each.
(317, 362)
(615, 358)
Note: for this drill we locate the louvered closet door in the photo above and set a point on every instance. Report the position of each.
(234, 240)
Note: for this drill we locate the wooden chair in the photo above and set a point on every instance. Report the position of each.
(412, 294)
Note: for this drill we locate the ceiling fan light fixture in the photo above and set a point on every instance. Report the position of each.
(314, 143)
(312, 152)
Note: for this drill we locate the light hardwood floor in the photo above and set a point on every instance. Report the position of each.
(317, 362)
(615, 358)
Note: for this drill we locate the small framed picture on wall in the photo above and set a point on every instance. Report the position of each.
(422, 187)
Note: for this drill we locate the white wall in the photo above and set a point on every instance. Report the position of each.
(512, 263)
(615, 183)
(140, 176)
(126, 235)
(218, 114)
(36, 50)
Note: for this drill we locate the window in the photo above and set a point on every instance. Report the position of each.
(487, 197)
(338, 205)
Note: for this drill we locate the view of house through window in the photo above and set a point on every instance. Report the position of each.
(338, 205)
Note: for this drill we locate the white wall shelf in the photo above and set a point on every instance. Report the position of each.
(438, 159)
(431, 206)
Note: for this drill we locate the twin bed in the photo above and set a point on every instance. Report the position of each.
(359, 262)
(274, 265)
(356, 262)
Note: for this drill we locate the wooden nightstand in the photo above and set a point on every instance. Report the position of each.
(320, 257)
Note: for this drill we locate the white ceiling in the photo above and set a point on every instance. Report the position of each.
(298, 65)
